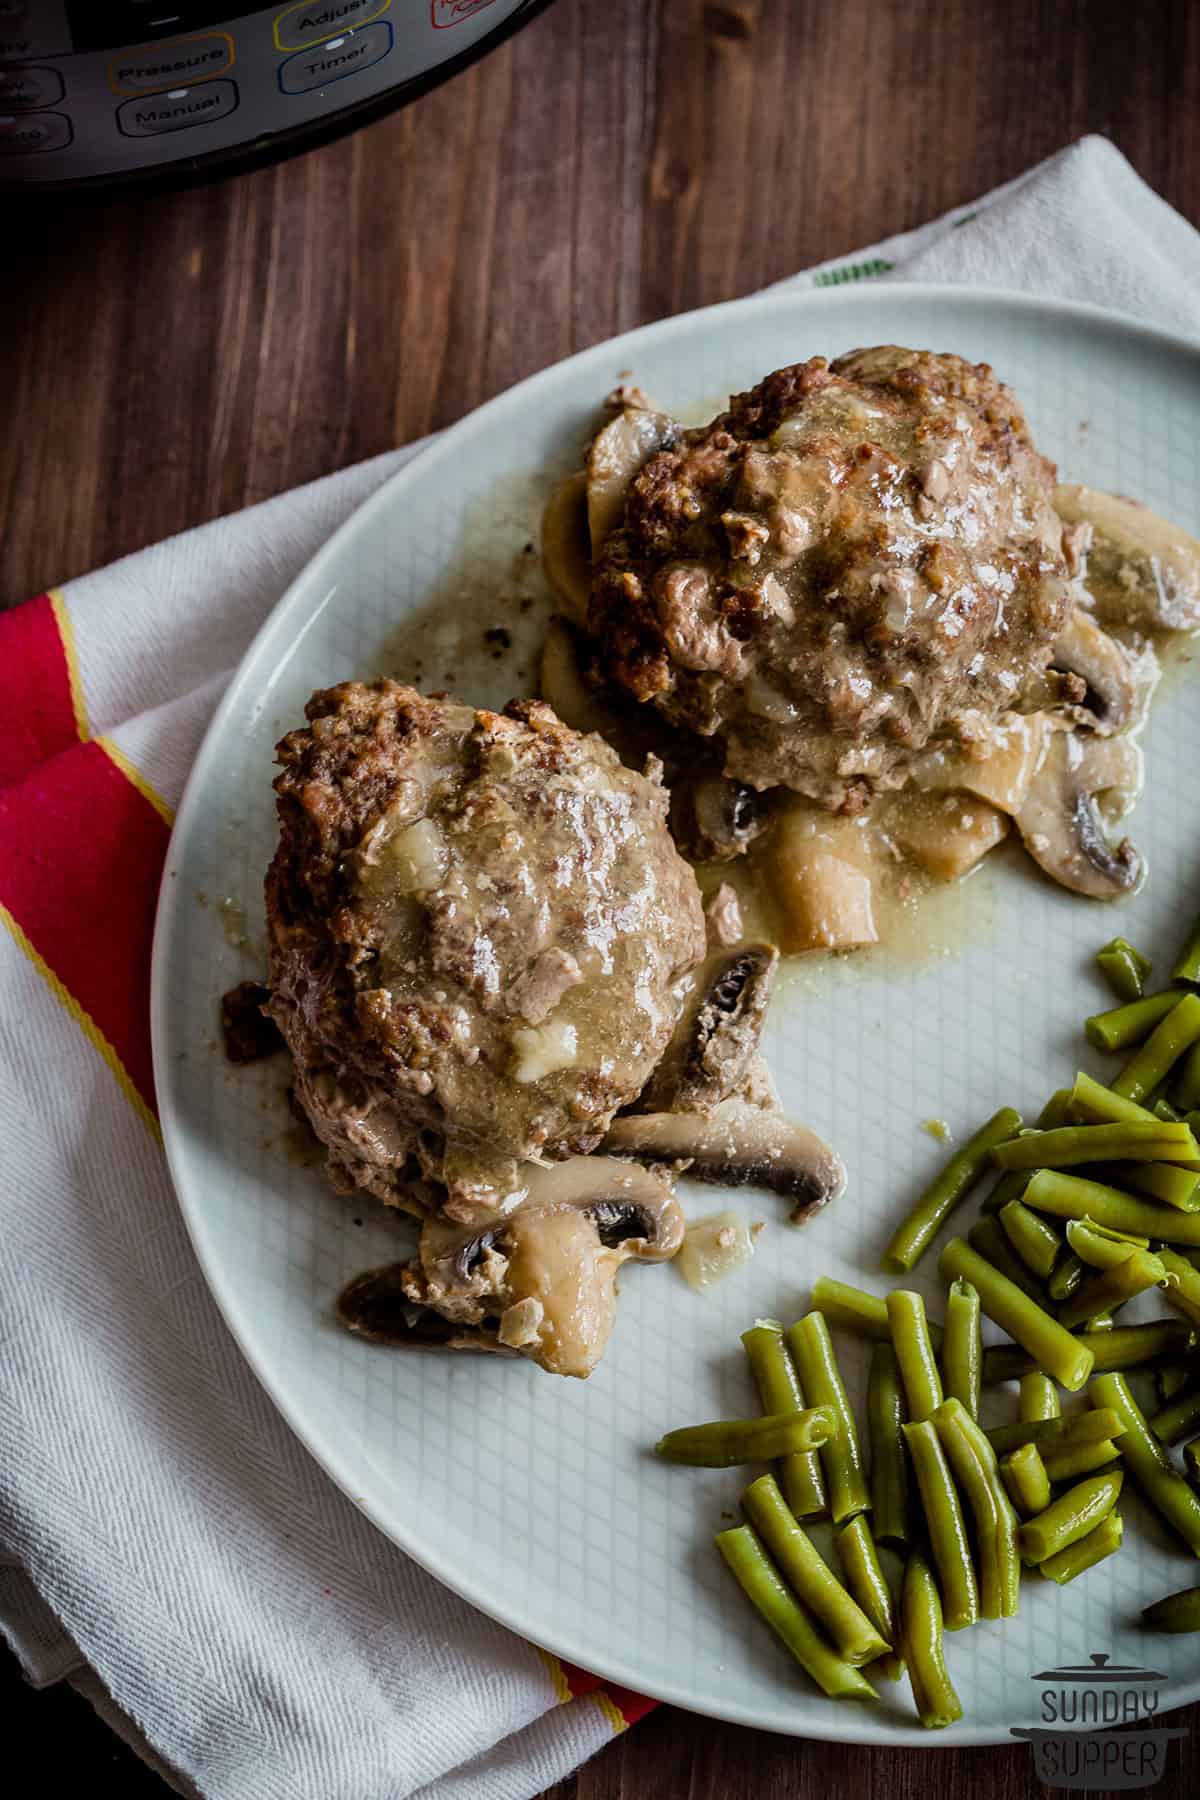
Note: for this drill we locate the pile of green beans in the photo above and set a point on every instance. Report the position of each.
(1122, 1347)
(1069, 1518)
(808, 1575)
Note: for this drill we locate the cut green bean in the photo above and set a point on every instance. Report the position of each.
(1183, 1292)
(1074, 1460)
(1056, 1433)
(1099, 1249)
(841, 1460)
(988, 1238)
(1143, 1141)
(1074, 1197)
(1122, 1026)
(1172, 1378)
(1094, 1104)
(1134, 1275)
(1037, 1398)
(1125, 969)
(1173, 1422)
(1009, 1187)
(1187, 969)
(809, 1576)
(976, 1471)
(933, 1694)
(918, 1230)
(1148, 1463)
(1176, 1032)
(1053, 1348)
(1024, 1475)
(1037, 1244)
(727, 1442)
(1070, 1517)
(889, 1462)
(1185, 1084)
(868, 1584)
(944, 1522)
(1163, 1109)
(780, 1392)
(1056, 1112)
(1124, 1347)
(1077, 1558)
(1177, 1612)
(1067, 1277)
(1168, 1182)
(763, 1586)
(962, 1346)
(1191, 1461)
(851, 1309)
(914, 1353)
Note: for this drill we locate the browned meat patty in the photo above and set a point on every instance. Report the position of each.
(854, 561)
(478, 923)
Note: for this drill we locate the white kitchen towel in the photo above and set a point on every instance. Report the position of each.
(165, 1543)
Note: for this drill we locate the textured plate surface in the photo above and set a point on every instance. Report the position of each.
(536, 1498)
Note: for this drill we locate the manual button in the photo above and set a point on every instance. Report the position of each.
(333, 61)
(177, 109)
(171, 64)
(37, 131)
(21, 90)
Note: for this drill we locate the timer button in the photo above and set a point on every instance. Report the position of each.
(333, 61)
(25, 89)
(34, 132)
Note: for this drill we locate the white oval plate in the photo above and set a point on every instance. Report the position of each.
(536, 1498)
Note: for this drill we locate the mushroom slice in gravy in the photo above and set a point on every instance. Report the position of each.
(544, 1273)
(707, 1059)
(740, 1145)
(1142, 572)
(1082, 785)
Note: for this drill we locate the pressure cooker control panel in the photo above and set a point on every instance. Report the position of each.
(104, 87)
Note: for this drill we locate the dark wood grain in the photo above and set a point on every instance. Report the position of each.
(164, 359)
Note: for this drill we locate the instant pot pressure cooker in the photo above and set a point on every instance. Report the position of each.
(101, 91)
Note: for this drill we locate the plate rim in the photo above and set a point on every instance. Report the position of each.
(294, 601)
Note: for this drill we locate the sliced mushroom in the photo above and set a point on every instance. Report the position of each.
(709, 1055)
(998, 767)
(615, 455)
(1084, 783)
(1142, 572)
(375, 1306)
(567, 546)
(714, 819)
(545, 1273)
(1116, 700)
(739, 1145)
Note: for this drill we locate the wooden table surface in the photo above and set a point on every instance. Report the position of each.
(165, 359)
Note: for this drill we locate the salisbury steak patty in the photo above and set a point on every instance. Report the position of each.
(477, 925)
(856, 559)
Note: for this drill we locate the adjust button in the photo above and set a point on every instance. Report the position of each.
(333, 61)
(298, 26)
(170, 64)
(177, 109)
(21, 90)
(36, 131)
